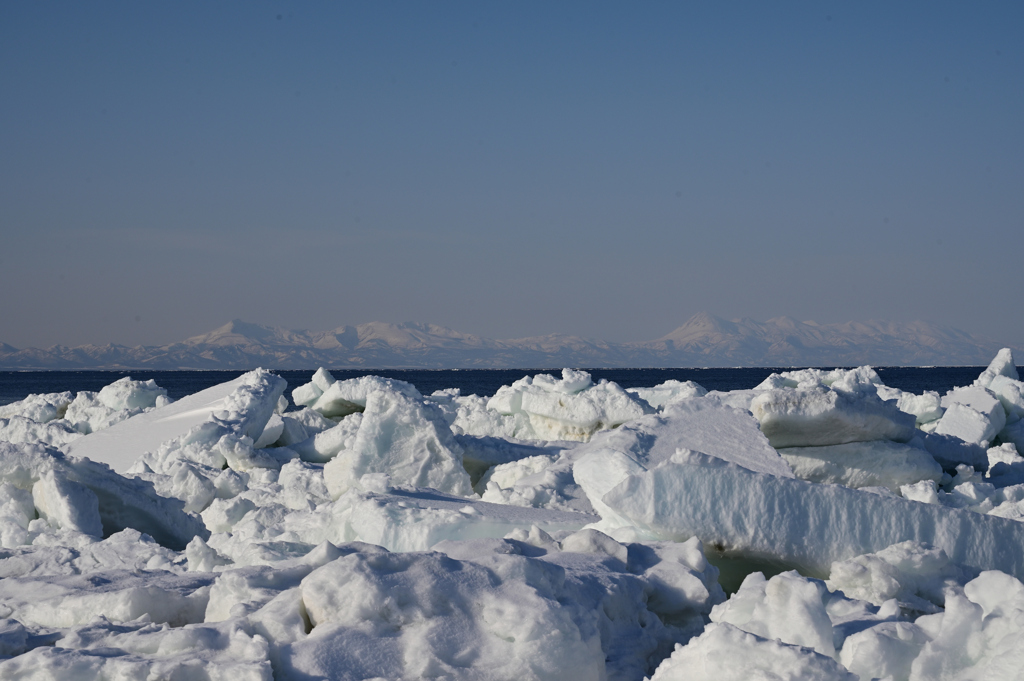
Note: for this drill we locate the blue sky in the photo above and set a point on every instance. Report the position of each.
(507, 169)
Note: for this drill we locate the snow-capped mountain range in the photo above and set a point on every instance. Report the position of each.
(703, 341)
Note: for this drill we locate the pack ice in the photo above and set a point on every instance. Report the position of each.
(559, 529)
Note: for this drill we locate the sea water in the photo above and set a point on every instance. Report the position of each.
(15, 385)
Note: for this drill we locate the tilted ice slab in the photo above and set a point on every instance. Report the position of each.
(699, 423)
(248, 402)
(796, 522)
(1001, 365)
(1010, 392)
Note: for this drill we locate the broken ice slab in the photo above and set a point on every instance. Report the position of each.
(248, 401)
(743, 513)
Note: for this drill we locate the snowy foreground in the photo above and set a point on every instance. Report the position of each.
(560, 530)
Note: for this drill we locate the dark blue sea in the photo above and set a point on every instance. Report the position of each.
(15, 385)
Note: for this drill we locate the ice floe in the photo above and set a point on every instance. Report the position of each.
(560, 529)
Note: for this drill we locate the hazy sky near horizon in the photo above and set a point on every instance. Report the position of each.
(507, 169)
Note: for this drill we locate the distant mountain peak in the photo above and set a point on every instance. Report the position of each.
(699, 325)
(236, 332)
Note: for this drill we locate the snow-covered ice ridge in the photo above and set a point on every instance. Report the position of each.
(821, 525)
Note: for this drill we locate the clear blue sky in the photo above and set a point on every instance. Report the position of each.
(507, 169)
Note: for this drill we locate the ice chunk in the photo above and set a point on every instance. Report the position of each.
(1002, 365)
(573, 408)
(247, 589)
(970, 425)
(1011, 393)
(668, 392)
(925, 491)
(326, 444)
(885, 650)
(118, 595)
(39, 407)
(67, 504)
(342, 398)
(973, 414)
(788, 607)
(223, 514)
(142, 650)
(542, 481)
(737, 399)
(323, 379)
(482, 452)
(614, 586)
(818, 416)
(978, 398)
(860, 379)
(926, 407)
(125, 393)
(404, 438)
(313, 422)
(978, 634)
(244, 405)
(1014, 433)
(950, 451)
(914, 574)
(458, 620)
(271, 432)
(306, 395)
(303, 485)
(63, 552)
(608, 611)
(469, 415)
(121, 503)
(20, 430)
(726, 653)
(877, 463)
(1005, 454)
(416, 520)
(798, 523)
